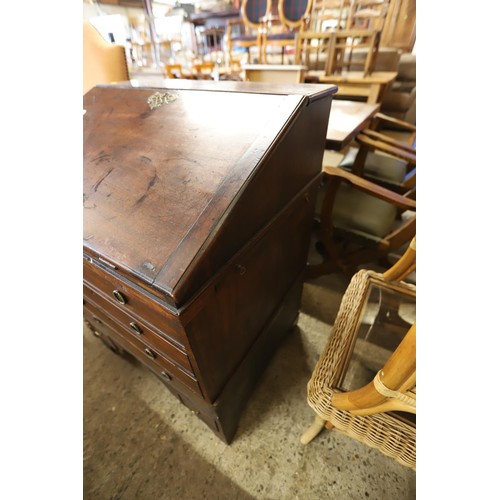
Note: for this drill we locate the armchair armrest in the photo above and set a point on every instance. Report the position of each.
(339, 174)
(358, 227)
(381, 117)
(375, 140)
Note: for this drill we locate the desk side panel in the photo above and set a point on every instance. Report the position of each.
(240, 302)
(294, 160)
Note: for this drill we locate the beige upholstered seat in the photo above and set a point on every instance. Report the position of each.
(103, 61)
(362, 213)
(377, 166)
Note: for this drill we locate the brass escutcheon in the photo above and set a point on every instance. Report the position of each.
(160, 98)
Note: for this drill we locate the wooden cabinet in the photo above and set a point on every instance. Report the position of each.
(198, 205)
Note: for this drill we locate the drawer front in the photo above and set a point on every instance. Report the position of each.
(144, 352)
(128, 298)
(137, 327)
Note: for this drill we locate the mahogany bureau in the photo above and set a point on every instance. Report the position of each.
(198, 204)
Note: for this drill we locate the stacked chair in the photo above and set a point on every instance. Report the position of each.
(338, 31)
(280, 31)
(246, 32)
(341, 35)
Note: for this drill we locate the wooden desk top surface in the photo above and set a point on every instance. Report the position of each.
(160, 181)
(313, 91)
(347, 119)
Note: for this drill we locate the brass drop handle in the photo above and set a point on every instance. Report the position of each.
(137, 329)
(166, 375)
(119, 297)
(150, 353)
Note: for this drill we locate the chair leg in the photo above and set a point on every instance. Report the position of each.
(316, 427)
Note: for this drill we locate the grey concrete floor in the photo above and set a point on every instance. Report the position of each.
(141, 443)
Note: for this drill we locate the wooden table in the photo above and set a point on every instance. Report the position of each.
(353, 83)
(279, 73)
(347, 119)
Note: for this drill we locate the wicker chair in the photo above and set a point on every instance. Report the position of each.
(353, 50)
(382, 412)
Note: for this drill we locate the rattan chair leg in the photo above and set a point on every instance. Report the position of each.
(316, 427)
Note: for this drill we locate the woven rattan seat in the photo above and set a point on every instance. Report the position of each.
(380, 413)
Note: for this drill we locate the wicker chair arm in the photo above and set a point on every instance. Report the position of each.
(392, 389)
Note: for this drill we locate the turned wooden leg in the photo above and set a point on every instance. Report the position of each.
(316, 427)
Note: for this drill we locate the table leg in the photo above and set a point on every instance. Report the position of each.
(375, 93)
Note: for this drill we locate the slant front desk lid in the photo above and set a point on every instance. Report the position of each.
(164, 168)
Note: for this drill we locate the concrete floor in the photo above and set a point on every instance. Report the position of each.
(141, 443)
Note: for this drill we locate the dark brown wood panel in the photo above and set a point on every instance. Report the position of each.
(137, 302)
(246, 296)
(311, 92)
(137, 326)
(291, 165)
(141, 192)
(140, 349)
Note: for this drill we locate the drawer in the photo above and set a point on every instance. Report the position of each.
(129, 298)
(136, 326)
(140, 349)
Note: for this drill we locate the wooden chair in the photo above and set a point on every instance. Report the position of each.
(346, 47)
(312, 49)
(246, 32)
(359, 386)
(210, 42)
(103, 61)
(281, 31)
(357, 222)
(384, 159)
(176, 71)
(368, 14)
(203, 70)
(328, 15)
